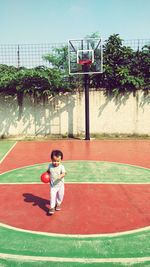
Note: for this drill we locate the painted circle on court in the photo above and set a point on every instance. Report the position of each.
(100, 198)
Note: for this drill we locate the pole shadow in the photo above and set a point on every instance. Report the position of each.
(37, 201)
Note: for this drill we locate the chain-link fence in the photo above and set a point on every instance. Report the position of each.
(31, 55)
(136, 44)
(26, 55)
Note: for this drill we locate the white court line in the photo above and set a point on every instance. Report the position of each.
(8, 152)
(144, 229)
(79, 260)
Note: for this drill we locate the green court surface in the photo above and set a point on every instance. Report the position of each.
(118, 246)
(82, 171)
(10, 263)
(5, 146)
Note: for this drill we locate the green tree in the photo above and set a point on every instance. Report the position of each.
(122, 67)
(145, 66)
(58, 60)
(40, 80)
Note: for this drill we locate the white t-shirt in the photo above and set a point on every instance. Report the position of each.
(55, 173)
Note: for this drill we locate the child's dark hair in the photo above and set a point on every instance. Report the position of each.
(56, 153)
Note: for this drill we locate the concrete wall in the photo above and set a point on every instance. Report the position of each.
(64, 114)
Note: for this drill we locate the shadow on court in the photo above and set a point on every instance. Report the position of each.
(37, 201)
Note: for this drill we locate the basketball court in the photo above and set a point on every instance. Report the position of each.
(105, 216)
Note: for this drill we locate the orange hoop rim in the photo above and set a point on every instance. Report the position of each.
(85, 62)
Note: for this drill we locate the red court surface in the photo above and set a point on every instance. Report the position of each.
(129, 151)
(87, 209)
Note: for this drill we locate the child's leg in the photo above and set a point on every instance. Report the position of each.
(60, 194)
(53, 192)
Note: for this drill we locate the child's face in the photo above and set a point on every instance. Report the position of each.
(56, 161)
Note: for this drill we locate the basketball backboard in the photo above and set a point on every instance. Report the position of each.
(85, 56)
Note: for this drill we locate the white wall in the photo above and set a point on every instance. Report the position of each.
(65, 114)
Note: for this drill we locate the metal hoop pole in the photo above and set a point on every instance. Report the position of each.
(87, 121)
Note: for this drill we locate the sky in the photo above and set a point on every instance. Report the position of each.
(57, 21)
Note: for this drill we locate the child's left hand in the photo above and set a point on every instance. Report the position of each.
(56, 181)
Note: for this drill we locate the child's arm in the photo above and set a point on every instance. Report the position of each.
(62, 175)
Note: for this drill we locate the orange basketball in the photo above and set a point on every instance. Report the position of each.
(45, 177)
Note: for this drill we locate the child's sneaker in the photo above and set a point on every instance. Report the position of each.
(58, 207)
(51, 211)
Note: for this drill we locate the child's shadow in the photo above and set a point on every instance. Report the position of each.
(37, 201)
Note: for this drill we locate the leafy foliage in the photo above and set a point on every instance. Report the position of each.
(125, 70)
(40, 80)
(59, 60)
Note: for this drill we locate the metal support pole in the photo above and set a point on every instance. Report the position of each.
(18, 57)
(87, 121)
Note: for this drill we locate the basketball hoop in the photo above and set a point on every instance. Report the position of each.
(85, 56)
(85, 62)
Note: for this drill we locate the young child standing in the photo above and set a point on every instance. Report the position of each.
(57, 173)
